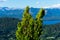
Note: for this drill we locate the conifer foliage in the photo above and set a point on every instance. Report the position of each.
(29, 28)
(38, 24)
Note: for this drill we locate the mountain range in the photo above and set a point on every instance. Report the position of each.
(51, 14)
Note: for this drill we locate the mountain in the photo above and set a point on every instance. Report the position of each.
(51, 14)
(11, 12)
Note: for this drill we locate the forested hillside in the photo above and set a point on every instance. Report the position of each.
(8, 28)
(51, 32)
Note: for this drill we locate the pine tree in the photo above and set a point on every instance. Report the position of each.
(38, 24)
(24, 31)
(28, 28)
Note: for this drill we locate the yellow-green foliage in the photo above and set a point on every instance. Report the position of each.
(28, 28)
(40, 14)
(38, 24)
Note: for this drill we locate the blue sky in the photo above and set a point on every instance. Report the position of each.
(31, 3)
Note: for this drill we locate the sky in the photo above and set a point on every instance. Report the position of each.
(30, 3)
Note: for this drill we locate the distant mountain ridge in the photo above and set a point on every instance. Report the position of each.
(50, 14)
(10, 12)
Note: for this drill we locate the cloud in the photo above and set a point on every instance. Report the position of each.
(3, 0)
(37, 3)
(53, 6)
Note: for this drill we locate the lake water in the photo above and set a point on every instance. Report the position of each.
(51, 22)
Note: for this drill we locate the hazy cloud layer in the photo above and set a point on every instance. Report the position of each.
(3, 0)
(37, 3)
(53, 6)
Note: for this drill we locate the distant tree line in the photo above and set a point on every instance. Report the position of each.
(30, 28)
